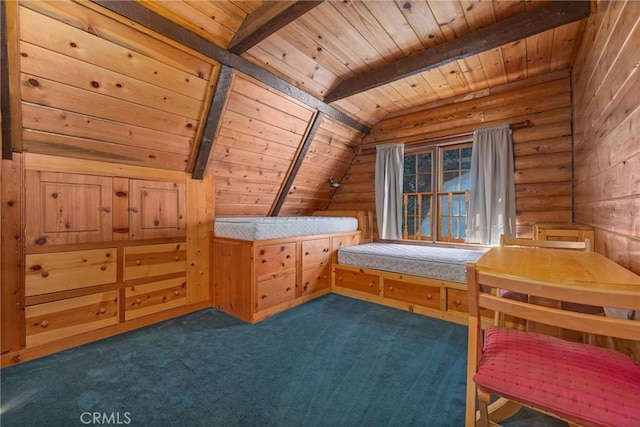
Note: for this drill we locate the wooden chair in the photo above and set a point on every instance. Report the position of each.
(573, 381)
(585, 245)
(549, 244)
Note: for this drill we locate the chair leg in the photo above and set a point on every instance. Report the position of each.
(484, 397)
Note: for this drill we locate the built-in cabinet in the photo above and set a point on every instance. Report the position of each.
(256, 279)
(104, 254)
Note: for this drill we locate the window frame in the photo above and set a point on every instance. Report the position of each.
(437, 148)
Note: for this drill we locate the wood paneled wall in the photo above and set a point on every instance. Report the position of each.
(606, 83)
(543, 158)
(93, 87)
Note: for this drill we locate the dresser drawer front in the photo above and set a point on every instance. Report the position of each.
(345, 241)
(316, 252)
(274, 260)
(458, 300)
(315, 279)
(61, 319)
(412, 293)
(358, 281)
(154, 260)
(61, 271)
(142, 300)
(277, 290)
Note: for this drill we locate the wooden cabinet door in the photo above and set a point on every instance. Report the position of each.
(157, 209)
(64, 208)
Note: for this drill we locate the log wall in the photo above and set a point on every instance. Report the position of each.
(543, 157)
(606, 132)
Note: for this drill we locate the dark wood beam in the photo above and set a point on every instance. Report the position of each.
(213, 120)
(317, 121)
(551, 15)
(139, 14)
(266, 20)
(5, 99)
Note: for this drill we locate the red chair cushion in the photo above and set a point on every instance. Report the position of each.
(581, 383)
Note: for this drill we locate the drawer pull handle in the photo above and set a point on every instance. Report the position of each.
(457, 302)
(176, 258)
(45, 274)
(429, 297)
(103, 310)
(288, 289)
(138, 262)
(261, 251)
(103, 267)
(371, 284)
(265, 260)
(325, 250)
(288, 256)
(306, 253)
(107, 209)
(44, 323)
(176, 293)
(134, 210)
(391, 288)
(138, 301)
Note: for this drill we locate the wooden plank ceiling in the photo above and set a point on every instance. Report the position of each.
(123, 82)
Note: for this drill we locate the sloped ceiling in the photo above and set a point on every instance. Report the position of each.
(141, 83)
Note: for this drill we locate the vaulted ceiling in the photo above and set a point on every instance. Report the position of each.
(271, 97)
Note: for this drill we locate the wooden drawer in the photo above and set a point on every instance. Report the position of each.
(358, 281)
(343, 242)
(458, 300)
(276, 290)
(412, 293)
(316, 252)
(316, 278)
(274, 260)
(154, 260)
(61, 271)
(61, 319)
(150, 298)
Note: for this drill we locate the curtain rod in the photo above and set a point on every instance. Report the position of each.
(450, 138)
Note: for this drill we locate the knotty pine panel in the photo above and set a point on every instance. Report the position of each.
(543, 164)
(606, 150)
(95, 88)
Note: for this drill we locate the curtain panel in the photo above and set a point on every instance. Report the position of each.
(388, 183)
(492, 204)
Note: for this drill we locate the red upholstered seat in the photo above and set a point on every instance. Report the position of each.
(584, 384)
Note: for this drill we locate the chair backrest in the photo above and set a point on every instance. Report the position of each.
(481, 295)
(550, 244)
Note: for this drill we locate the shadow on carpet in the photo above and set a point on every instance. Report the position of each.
(334, 361)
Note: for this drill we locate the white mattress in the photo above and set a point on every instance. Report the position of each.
(261, 228)
(425, 261)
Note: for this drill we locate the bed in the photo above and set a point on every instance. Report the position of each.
(264, 265)
(426, 279)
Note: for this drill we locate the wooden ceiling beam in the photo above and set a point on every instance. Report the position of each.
(266, 20)
(518, 27)
(163, 26)
(223, 85)
(297, 163)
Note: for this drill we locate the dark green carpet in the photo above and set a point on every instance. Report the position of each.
(331, 362)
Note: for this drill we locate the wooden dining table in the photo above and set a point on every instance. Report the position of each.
(568, 268)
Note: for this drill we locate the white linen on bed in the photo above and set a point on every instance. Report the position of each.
(261, 228)
(447, 264)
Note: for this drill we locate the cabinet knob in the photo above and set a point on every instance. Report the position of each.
(371, 284)
(176, 293)
(325, 250)
(103, 267)
(457, 302)
(45, 274)
(44, 323)
(429, 297)
(138, 301)
(103, 310)
(138, 262)
(134, 210)
(306, 253)
(265, 260)
(107, 209)
(176, 258)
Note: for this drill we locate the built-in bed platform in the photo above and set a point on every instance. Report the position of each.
(426, 279)
(265, 265)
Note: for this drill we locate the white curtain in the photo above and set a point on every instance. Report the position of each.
(492, 207)
(389, 168)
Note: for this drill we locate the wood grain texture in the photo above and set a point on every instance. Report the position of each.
(606, 149)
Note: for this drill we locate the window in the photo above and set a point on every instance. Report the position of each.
(445, 168)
